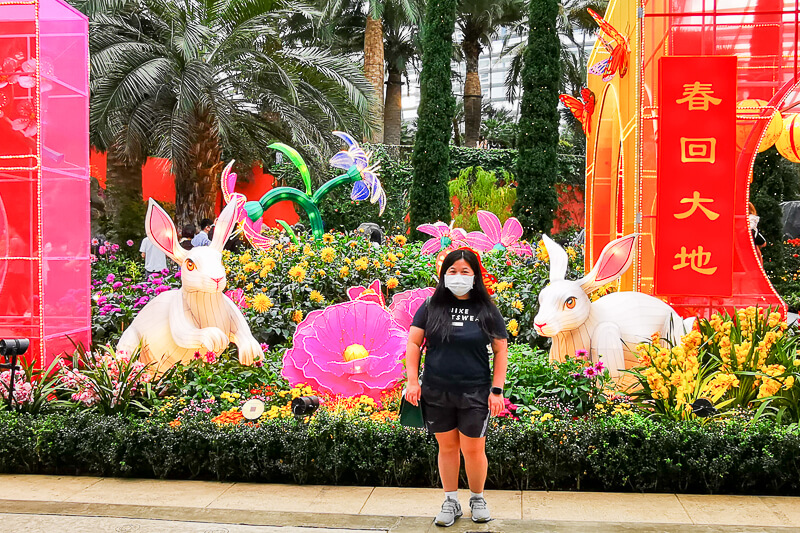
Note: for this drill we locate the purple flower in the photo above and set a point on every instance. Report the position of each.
(101, 300)
(110, 278)
(165, 272)
(197, 356)
(116, 310)
(117, 285)
(264, 346)
(178, 274)
(576, 375)
(258, 363)
(149, 291)
(582, 354)
(599, 366)
(114, 247)
(101, 250)
(129, 242)
(112, 257)
(497, 237)
(590, 372)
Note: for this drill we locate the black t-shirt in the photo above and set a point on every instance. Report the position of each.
(460, 363)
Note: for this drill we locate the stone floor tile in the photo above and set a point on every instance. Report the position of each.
(603, 507)
(148, 492)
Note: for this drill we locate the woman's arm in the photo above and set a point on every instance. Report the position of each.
(413, 354)
(500, 349)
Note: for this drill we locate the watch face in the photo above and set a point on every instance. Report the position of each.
(496, 390)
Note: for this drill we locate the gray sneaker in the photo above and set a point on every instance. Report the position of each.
(451, 510)
(480, 511)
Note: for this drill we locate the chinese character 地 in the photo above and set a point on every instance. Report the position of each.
(697, 259)
(697, 203)
(698, 150)
(698, 96)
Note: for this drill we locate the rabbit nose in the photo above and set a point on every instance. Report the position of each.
(217, 280)
(540, 326)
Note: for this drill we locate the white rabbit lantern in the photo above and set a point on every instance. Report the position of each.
(198, 317)
(612, 325)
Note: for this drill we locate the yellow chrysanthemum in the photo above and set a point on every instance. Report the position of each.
(250, 267)
(327, 254)
(517, 305)
(297, 316)
(245, 258)
(513, 327)
(328, 238)
(362, 263)
(315, 296)
(262, 303)
(297, 273)
(392, 283)
(344, 272)
(400, 240)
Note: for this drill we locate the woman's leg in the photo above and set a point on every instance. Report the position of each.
(475, 462)
(449, 459)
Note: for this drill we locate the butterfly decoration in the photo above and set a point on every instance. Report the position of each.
(618, 47)
(582, 110)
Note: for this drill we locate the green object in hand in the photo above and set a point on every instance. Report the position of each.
(410, 414)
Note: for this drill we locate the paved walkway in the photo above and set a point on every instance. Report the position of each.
(92, 504)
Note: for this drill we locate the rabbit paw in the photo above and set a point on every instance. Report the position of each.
(250, 351)
(214, 339)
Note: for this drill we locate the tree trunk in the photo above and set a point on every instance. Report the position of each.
(124, 196)
(373, 70)
(456, 132)
(197, 186)
(393, 112)
(472, 93)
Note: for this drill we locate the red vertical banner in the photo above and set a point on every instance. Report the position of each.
(696, 175)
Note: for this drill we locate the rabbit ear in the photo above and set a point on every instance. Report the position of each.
(161, 231)
(614, 260)
(559, 262)
(224, 226)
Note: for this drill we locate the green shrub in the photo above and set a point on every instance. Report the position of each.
(624, 453)
(476, 189)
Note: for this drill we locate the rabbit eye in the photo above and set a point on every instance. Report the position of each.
(570, 303)
(191, 266)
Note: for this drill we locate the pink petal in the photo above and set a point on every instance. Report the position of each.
(458, 236)
(27, 82)
(19, 124)
(490, 225)
(437, 230)
(512, 232)
(431, 246)
(355, 292)
(479, 241)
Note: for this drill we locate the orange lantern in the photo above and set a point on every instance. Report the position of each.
(788, 144)
(748, 112)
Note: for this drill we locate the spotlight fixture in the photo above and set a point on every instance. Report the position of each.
(10, 349)
(304, 405)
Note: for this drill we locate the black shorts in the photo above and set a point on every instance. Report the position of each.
(445, 411)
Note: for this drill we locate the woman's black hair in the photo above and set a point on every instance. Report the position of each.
(439, 322)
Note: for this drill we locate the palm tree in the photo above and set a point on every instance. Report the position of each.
(401, 42)
(572, 15)
(374, 46)
(191, 80)
(479, 21)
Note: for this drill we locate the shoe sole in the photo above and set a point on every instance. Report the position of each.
(451, 523)
(481, 520)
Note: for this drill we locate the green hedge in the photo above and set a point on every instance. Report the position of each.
(626, 453)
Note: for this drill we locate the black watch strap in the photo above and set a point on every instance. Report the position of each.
(497, 390)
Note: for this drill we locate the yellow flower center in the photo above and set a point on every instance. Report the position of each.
(355, 351)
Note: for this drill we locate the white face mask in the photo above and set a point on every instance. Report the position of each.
(458, 283)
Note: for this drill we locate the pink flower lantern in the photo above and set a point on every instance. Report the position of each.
(373, 293)
(405, 304)
(444, 237)
(495, 237)
(348, 349)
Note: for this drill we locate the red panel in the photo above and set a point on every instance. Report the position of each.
(696, 178)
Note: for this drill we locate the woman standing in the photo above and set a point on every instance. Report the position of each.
(461, 327)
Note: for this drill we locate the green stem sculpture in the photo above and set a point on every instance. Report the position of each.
(308, 202)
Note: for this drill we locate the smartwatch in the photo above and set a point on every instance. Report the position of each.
(497, 390)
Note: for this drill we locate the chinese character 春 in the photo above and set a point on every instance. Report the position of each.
(701, 150)
(697, 203)
(697, 259)
(698, 95)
